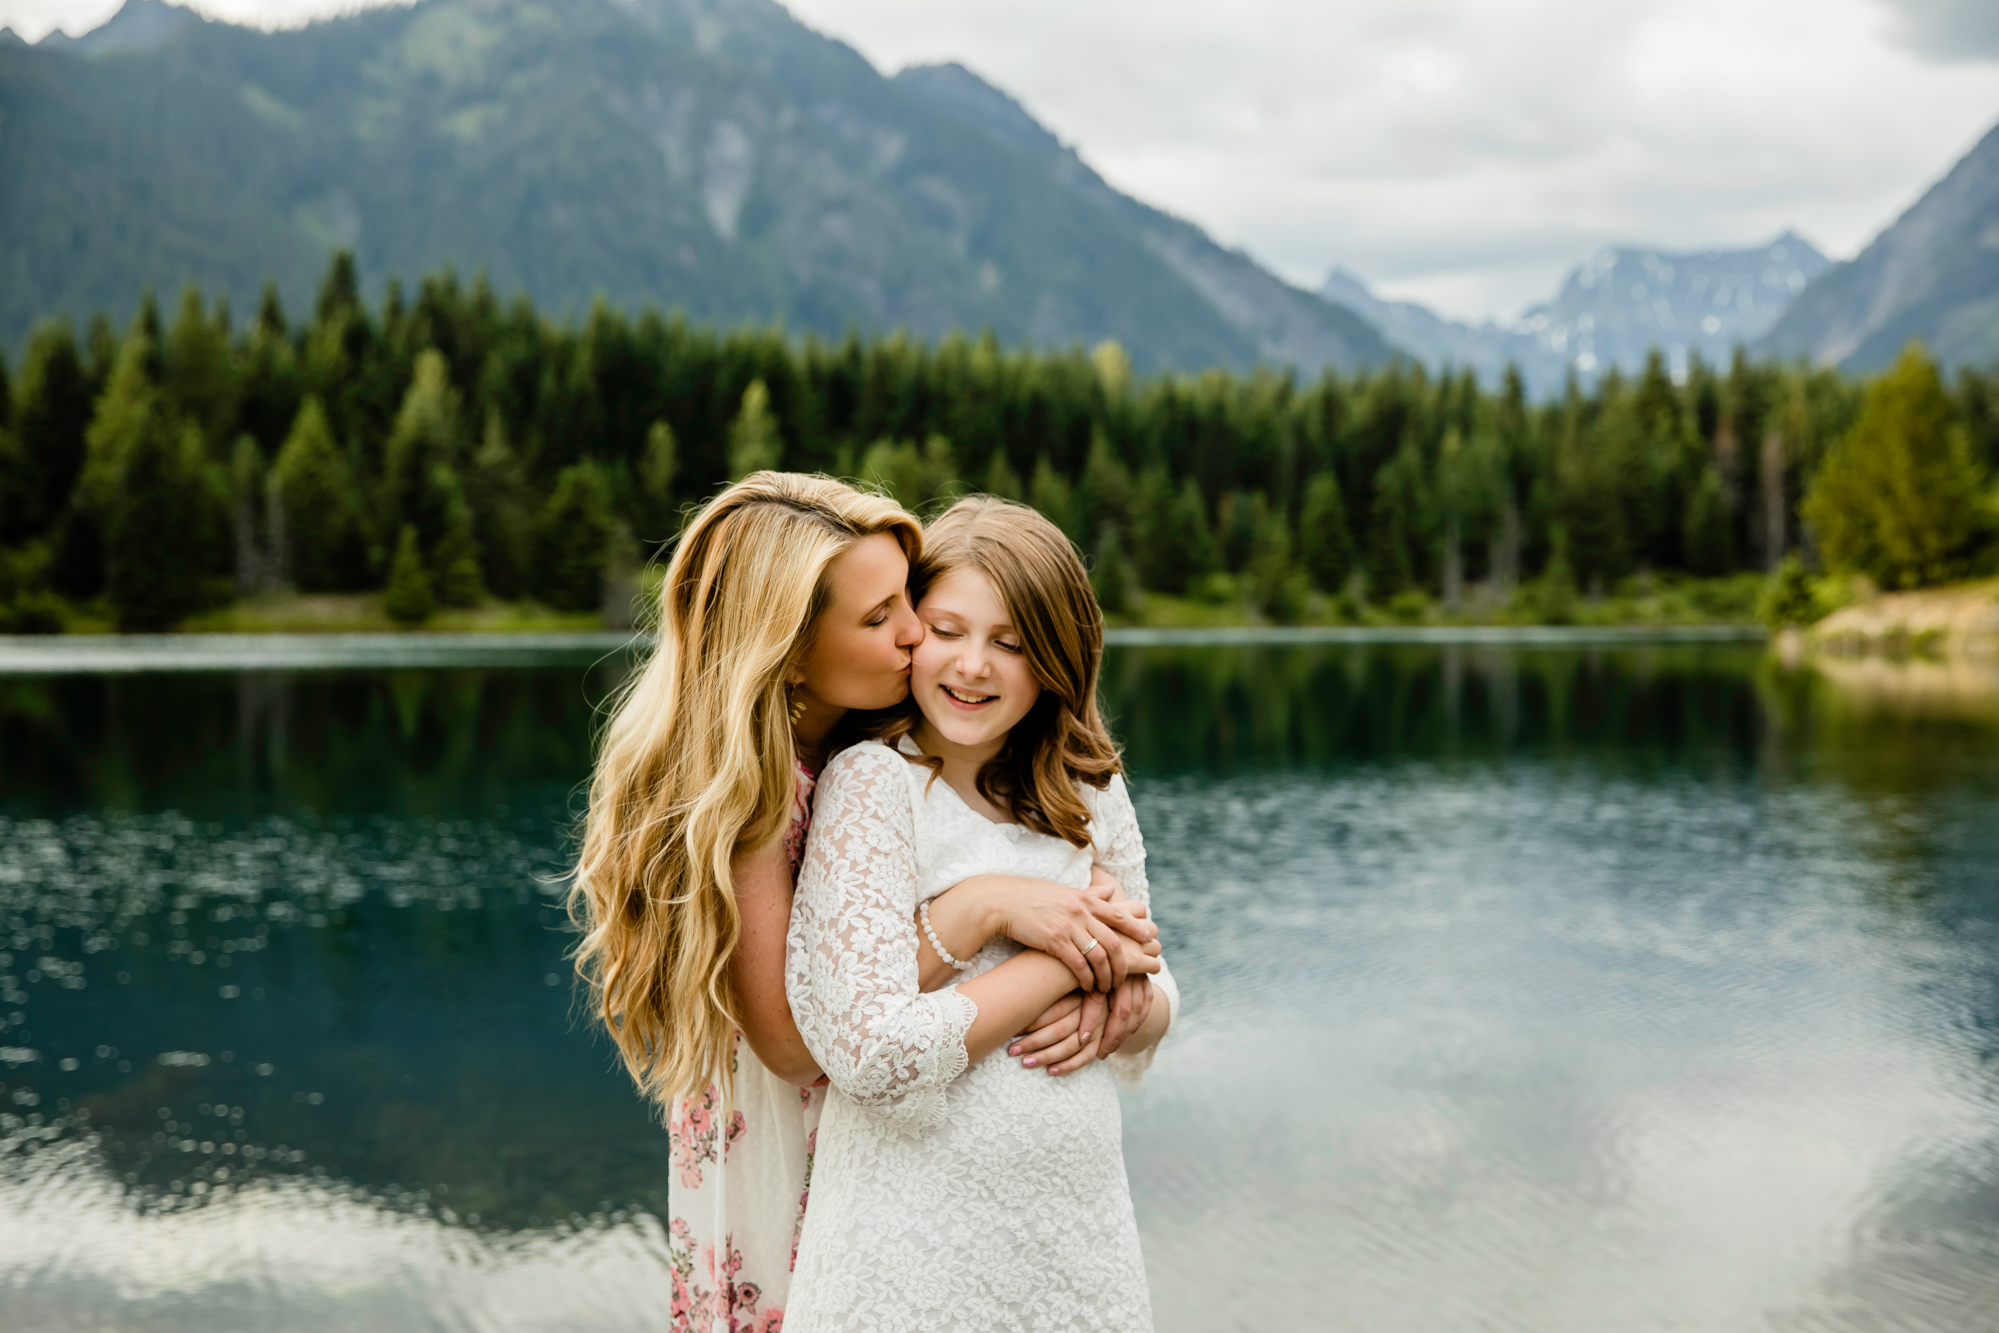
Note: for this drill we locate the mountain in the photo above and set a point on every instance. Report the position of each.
(1933, 275)
(1611, 311)
(711, 155)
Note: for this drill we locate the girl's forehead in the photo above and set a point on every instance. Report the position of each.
(965, 588)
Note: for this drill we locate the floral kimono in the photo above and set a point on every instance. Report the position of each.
(738, 1189)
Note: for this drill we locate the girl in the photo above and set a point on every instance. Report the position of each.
(785, 606)
(995, 1200)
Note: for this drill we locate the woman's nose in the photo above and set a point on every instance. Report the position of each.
(909, 626)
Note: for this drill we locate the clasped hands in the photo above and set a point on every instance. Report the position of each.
(1114, 992)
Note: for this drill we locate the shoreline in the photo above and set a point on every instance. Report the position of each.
(133, 654)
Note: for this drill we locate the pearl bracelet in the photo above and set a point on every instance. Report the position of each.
(923, 911)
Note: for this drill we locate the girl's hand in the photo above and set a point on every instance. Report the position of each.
(1131, 1005)
(1068, 1039)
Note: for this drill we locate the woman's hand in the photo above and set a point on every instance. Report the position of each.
(1061, 922)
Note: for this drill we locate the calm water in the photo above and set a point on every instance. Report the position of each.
(1535, 988)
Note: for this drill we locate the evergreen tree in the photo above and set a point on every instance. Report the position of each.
(915, 478)
(1325, 540)
(457, 561)
(1051, 494)
(1104, 495)
(1900, 499)
(502, 515)
(572, 541)
(754, 444)
(1002, 480)
(324, 542)
(156, 573)
(1389, 569)
(198, 370)
(409, 598)
(51, 413)
(423, 452)
(657, 519)
(1178, 545)
(1111, 575)
(1710, 529)
(1277, 587)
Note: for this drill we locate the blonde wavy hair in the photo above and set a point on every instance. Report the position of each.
(698, 760)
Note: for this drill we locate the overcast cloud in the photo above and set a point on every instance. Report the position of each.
(1461, 152)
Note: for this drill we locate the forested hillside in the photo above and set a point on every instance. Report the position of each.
(454, 448)
(711, 156)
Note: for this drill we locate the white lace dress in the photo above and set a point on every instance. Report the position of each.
(992, 1201)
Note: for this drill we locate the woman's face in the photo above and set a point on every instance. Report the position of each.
(970, 673)
(860, 644)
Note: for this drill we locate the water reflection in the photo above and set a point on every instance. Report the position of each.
(1636, 987)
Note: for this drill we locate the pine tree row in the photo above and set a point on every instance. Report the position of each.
(451, 449)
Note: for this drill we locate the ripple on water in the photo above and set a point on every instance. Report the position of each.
(1526, 1048)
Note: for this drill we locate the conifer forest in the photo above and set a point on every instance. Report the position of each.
(453, 449)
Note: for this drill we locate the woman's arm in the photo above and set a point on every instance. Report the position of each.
(1039, 914)
(756, 969)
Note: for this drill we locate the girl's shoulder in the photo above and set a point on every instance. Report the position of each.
(864, 760)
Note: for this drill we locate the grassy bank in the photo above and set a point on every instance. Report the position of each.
(1638, 601)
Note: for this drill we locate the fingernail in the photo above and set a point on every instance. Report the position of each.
(1086, 1036)
(1013, 1050)
(1029, 1062)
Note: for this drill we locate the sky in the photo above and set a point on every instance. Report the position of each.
(1462, 153)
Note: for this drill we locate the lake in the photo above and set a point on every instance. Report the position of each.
(1548, 985)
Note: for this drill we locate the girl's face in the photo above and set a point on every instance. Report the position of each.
(860, 645)
(970, 674)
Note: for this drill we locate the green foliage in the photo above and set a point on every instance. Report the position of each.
(656, 518)
(457, 561)
(1325, 540)
(1055, 497)
(502, 513)
(52, 404)
(754, 445)
(1001, 480)
(572, 541)
(409, 598)
(26, 604)
(915, 478)
(1709, 539)
(1787, 597)
(421, 482)
(1243, 492)
(1112, 577)
(323, 545)
(1900, 498)
(160, 543)
(1177, 550)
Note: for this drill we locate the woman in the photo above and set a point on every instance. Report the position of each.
(784, 607)
(957, 1189)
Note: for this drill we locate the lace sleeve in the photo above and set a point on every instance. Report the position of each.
(1121, 852)
(850, 956)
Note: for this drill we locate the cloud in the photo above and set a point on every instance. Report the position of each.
(1467, 152)
(1947, 30)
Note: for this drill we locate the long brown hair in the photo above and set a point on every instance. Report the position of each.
(1063, 740)
(698, 760)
